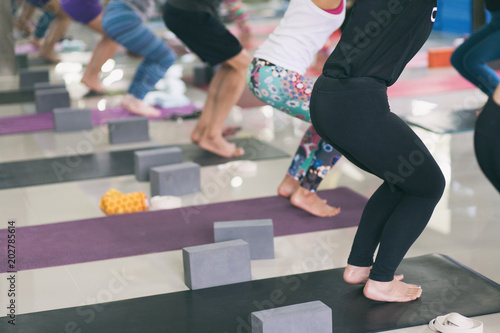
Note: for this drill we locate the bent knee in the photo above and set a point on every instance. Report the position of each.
(239, 62)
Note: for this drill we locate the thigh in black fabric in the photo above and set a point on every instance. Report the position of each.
(203, 33)
(360, 125)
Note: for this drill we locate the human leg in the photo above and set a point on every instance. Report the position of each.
(56, 30)
(24, 22)
(290, 92)
(125, 26)
(206, 36)
(312, 162)
(41, 28)
(486, 138)
(224, 91)
(470, 59)
(104, 50)
(399, 210)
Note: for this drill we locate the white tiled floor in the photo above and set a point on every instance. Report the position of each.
(464, 226)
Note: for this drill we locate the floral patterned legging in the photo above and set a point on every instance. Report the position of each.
(290, 92)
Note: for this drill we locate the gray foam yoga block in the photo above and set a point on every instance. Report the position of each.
(202, 74)
(147, 159)
(68, 119)
(175, 179)
(46, 100)
(216, 264)
(49, 85)
(127, 130)
(310, 317)
(22, 61)
(258, 233)
(28, 77)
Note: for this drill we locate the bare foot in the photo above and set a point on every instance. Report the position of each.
(359, 275)
(230, 130)
(219, 146)
(288, 186)
(50, 56)
(197, 133)
(23, 26)
(93, 84)
(136, 106)
(393, 291)
(311, 203)
(226, 131)
(38, 42)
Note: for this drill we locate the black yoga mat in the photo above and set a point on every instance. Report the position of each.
(115, 163)
(443, 122)
(17, 96)
(448, 287)
(165, 230)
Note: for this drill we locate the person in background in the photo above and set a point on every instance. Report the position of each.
(350, 110)
(124, 22)
(56, 30)
(276, 77)
(197, 24)
(89, 13)
(487, 139)
(470, 59)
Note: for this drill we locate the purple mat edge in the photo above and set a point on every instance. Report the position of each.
(44, 121)
(43, 243)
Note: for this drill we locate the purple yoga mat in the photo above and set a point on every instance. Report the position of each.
(165, 230)
(45, 121)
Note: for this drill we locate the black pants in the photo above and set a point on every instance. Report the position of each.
(487, 142)
(353, 115)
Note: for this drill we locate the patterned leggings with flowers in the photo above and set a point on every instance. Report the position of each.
(290, 92)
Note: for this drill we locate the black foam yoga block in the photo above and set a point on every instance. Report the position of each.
(448, 287)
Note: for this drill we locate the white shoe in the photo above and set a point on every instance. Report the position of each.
(455, 323)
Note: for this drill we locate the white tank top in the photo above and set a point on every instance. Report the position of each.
(302, 32)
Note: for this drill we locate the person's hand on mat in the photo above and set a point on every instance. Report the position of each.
(304, 199)
(136, 106)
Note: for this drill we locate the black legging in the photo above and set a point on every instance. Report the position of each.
(487, 142)
(350, 110)
(353, 116)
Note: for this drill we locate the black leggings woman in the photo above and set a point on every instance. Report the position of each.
(350, 110)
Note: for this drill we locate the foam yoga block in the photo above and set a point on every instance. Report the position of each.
(216, 264)
(258, 233)
(28, 78)
(202, 74)
(48, 85)
(310, 317)
(175, 179)
(46, 100)
(22, 61)
(128, 130)
(68, 119)
(147, 159)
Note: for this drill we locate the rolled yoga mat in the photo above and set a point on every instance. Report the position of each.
(116, 163)
(448, 287)
(45, 121)
(125, 235)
